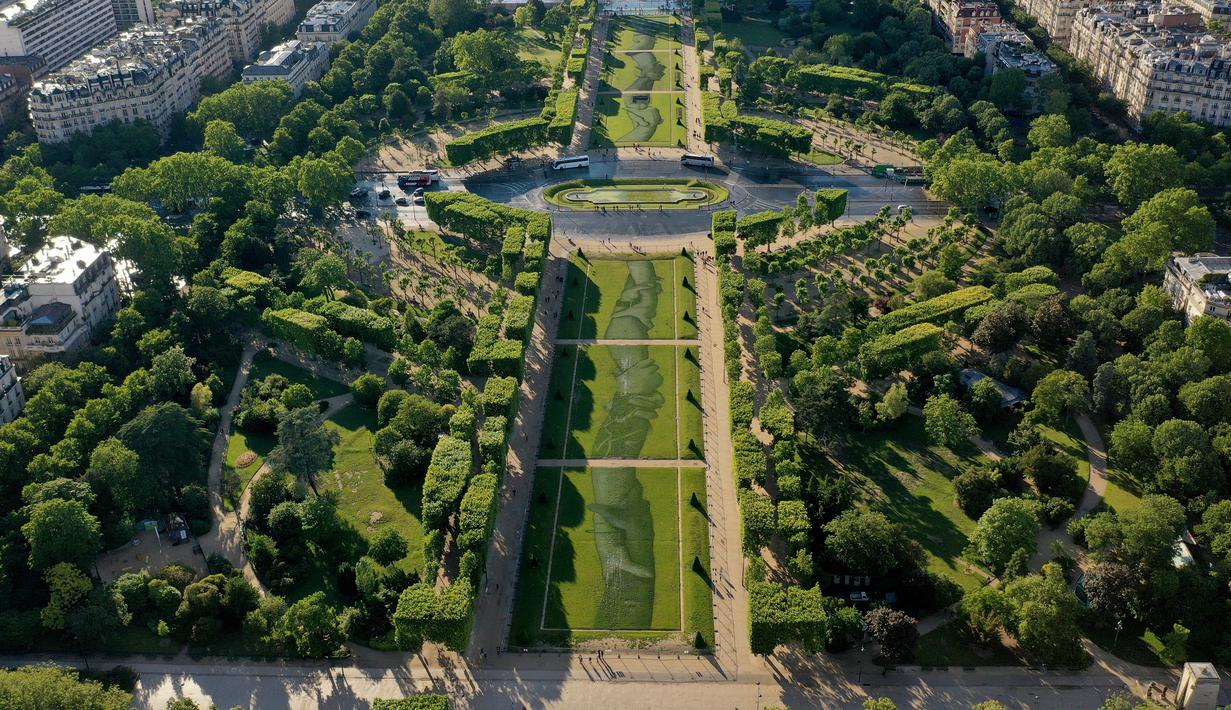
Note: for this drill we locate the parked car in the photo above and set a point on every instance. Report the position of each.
(419, 200)
(401, 202)
(418, 192)
(859, 597)
(358, 192)
(383, 194)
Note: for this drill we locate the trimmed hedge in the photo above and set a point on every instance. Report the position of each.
(742, 405)
(422, 701)
(360, 323)
(721, 120)
(492, 438)
(560, 130)
(445, 480)
(250, 283)
(779, 614)
(475, 516)
(933, 310)
(751, 464)
(500, 397)
(462, 423)
(759, 228)
(502, 138)
(1033, 295)
(307, 331)
(833, 200)
(527, 283)
(506, 357)
(896, 351)
(756, 513)
(834, 79)
(722, 229)
(519, 317)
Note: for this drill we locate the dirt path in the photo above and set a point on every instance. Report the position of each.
(692, 87)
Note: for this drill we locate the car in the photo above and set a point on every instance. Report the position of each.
(418, 192)
(383, 194)
(363, 214)
(420, 200)
(358, 192)
(903, 207)
(858, 597)
(401, 202)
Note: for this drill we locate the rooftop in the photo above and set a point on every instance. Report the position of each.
(17, 9)
(62, 260)
(281, 58)
(49, 318)
(140, 52)
(329, 11)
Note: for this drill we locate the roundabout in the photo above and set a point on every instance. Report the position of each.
(662, 193)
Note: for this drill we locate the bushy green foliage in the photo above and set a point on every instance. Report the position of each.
(500, 396)
(492, 438)
(756, 512)
(306, 330)
(784, 614)
(933, 310)
(750, 460)
(477, 508)
(723, 224)
(359, 323)
(898, 350)
(519, 317)
(500, 139)
(446, 479)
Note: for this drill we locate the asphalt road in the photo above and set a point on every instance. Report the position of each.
(754, 187)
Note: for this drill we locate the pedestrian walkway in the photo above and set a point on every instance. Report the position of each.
(692, 88)
(589, 88)
(626, 341)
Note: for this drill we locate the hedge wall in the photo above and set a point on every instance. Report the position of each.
(502, 138)
(527, 283)
(759, 228)
(742, 405)
(933, 310)
(834, 79)
(506, 357)
(361, 323)
(756, 513)
(500, 397)
(445, 480)
(899, 350)
(560, 130)
(492, 438)
(722, 228)
(306, 330)
(475, 516)
(519, 317)
(779, 614)
(751, 464)
(833, 202)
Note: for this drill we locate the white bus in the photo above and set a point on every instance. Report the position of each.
(577, 161)
(704, 161)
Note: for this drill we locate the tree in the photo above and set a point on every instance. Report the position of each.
(1011, 524)
(1188, 224)
(863, 541)
(310, 628)
(931, 284)
(49, 687)
(984, 398)
(987, 611)
(894, 630)
(894, 404)
(1001, 328)
(879, 704)
(1008, 89)
(1136, 171)
(555, 20)
(68, 586)
(367, 389)
(172, 373)
(1111, 589)
(450, 15)
(947, 423)
(975, 489)
(223, 140)
(1050, 131)
(1212, 336)
(1082, 357)
(305, 445)
(974, 182)
(484, 53)
(324, 181)
(118, 469)
(1057, 396)
(387, 546)
(1145, 535)
(322, 271)
(61, 531)
(1047, 614)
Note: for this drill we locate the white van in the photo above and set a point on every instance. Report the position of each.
(704, 161)
(577, 161)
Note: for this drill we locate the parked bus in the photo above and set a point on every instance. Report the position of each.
(577, 161)
(704, 161)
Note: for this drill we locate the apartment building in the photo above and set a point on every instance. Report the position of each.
(130, 12)
(334, 20)
(1013, 49)
(1212, 9)
(243, 20)
(960, 21)
(1156, 57)
(12, 397)
(152, 72)
(1199, 285)
(57, 31)
(293, 61)
(1054, 16)
(61, 294)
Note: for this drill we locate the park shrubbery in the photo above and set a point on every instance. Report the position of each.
(894, 351)
(721, 120)
(518, 317)
(751, 464)
(500, 139)
(933, 310)
(500, 396)
(759, 228)
(360, 323)
(446, 479)
(722, 226)
(784, 614)
(847, 81)
(305, 330)
(475, 515)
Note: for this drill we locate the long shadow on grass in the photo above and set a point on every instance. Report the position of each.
(570, 514)
(583, 406)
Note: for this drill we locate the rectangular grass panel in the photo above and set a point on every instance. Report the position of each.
(593, 288)
(652, 32)
(626, 72)
(698, 592)
(615, 559)
(639, 423)
(643, 119)
(691, 423)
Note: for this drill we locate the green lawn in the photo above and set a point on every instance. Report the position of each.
(236, 478)
(754, 32)
(640, 119)
(949, 646)
(264, 364)
(533, 45)
(820, 157)
(625, 408)
(910, 480)
(692, 424)
(596, 287)
(642, 33)
(365, 501)
(612, 540)
(643, 71)
(1122, 490)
